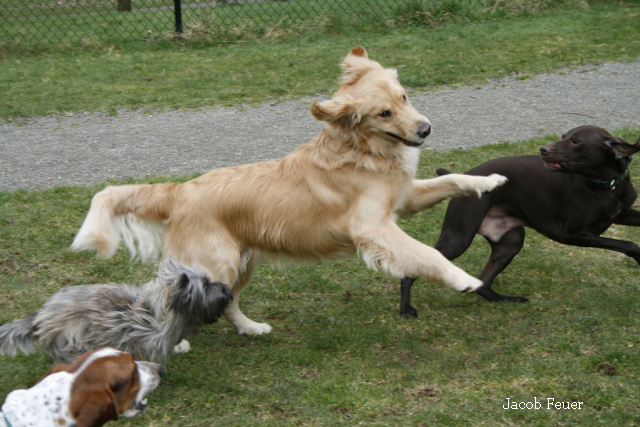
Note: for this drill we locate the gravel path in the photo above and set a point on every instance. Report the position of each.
(89, 148)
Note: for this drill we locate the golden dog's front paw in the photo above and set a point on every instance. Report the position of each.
(470, 284)
(489, 183)
(499, 180)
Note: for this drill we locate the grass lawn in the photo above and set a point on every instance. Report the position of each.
(165, 75)
(340, 354)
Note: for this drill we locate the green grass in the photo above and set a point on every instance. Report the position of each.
(182, 74)
(340, 354)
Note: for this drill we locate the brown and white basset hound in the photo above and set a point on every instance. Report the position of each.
(100, 386)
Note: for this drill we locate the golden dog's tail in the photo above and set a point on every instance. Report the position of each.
(129, 212)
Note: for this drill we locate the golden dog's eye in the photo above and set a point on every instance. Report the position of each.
(404, 98)
(385, 113)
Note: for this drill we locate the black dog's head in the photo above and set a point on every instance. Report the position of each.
(588, 150)
(194, 295)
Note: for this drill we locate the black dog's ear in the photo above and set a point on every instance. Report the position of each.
(620, 147)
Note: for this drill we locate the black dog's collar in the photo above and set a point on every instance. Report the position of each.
(597, 184)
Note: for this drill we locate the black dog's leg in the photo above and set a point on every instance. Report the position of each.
(502, 253)
(461, 222)
(631, 218)
(590, 240)
(406, 309)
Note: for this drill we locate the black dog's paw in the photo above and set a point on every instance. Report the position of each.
(492, 296)
(408, 311)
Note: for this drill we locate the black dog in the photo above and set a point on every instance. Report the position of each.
(573, 207)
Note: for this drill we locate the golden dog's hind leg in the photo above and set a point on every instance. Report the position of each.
(389, 249)
(250, 261)
(229, 263)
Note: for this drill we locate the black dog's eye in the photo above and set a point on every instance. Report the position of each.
(574, 142)
(385, 113)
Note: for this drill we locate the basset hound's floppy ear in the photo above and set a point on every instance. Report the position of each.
(99, 407)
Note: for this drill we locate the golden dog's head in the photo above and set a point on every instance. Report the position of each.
(372, 103)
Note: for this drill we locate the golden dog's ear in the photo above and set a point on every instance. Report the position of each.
(339, 111)
(359, 51)
(357, 64)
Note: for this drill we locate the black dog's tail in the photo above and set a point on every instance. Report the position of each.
(18, 335)
(442, 171)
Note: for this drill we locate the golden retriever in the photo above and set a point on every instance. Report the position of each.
(339, 193)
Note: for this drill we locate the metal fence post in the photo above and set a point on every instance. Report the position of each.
(178, 14)
(124, 5)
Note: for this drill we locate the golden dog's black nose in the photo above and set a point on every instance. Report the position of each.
(424, 130)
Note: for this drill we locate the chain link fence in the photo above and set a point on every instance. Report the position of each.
(79, 21)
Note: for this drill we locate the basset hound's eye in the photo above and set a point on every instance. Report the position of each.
(385, 114)
(119, 385)
(122, 382)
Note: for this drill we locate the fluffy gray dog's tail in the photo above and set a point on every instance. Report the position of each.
(18, 335)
